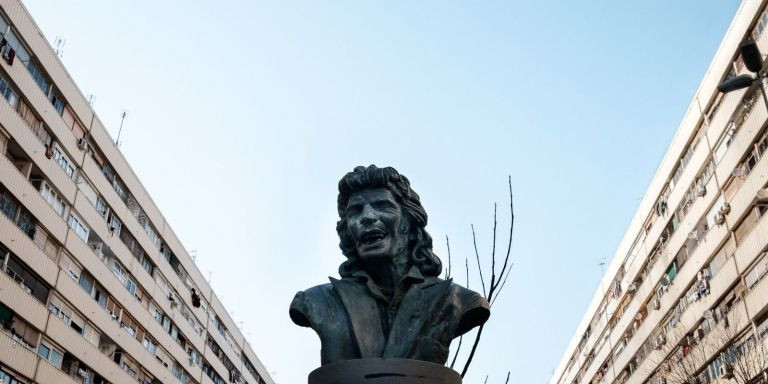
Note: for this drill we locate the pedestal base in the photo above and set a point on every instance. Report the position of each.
(384, 371)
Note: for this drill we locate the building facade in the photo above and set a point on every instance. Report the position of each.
(95, 286)
(685, 298)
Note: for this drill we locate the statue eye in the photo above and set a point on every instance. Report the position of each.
(353, 210)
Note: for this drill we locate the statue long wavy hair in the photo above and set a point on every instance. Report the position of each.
(419, 241)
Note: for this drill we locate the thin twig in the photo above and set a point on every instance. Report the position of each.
(477, 257)
(486, 380)
(466, 266)
(493, 249)
(503, 283)
(458, 348)
(507, 381)
(472, 352)
(448, 244)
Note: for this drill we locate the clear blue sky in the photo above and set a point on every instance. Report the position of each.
(243, 115)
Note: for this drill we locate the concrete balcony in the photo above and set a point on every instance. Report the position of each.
(22, 303)
(231, 354)
(752, 246)
(600, 356)
(38, 100)
(700, 154)
(84, 351)
(757, 298)
(22, 246)
(21, 132)
(107, 192)
(217, 365)
(17, 356)
(31, 199)
(723, 115)
(48, 373)
(742, 142)
(746, 195)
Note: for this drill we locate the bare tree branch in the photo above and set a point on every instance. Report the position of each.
(472, 352)
(458, 348)
(477, 257)
(497, 282)
(507, 381)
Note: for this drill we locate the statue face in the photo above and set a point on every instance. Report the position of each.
(376, 224)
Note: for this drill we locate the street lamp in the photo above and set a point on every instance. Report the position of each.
(753, 60)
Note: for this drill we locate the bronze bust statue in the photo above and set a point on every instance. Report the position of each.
(389, 301)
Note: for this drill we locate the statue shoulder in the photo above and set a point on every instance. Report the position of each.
(307, 301)
(473, 308)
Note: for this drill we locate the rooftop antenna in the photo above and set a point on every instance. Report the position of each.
(59, 43)
(119, 131)
(193, 253)
(91, 99)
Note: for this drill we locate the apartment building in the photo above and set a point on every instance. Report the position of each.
(685, 298)
(95, 286)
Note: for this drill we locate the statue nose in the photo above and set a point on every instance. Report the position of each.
(368, 216)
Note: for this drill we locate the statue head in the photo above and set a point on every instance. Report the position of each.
(380, 216)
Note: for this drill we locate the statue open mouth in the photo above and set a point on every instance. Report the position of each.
(372, 236)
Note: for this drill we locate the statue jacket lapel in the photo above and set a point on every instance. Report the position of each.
(363, 314)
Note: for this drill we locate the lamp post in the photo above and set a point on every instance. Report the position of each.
(753, 60)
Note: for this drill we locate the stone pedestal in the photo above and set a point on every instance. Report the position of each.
(384, 371)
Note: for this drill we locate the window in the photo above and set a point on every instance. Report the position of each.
(38, 76)
(757, 272)
(8, 93)
(86, 281)
(57, 101)
(50, 354)
(114, 224)
(14, 42)
(52, 198)
(64, 163)
(149, 344)
(87, 189)
(725, 141)
(119, 271)
(78, 227)
(8, 205)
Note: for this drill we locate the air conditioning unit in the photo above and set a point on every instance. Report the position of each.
(719, 218)
(740, 171)
(693, 235)
(665, 280)
(8, 54)
(709, 314)
(661, 208)
(762, 194)
(725, 209)
(655, 303)
(632, 287)
(660, 341)
(726, 371)
(82, 143)
(701, 190)
(698, 334)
